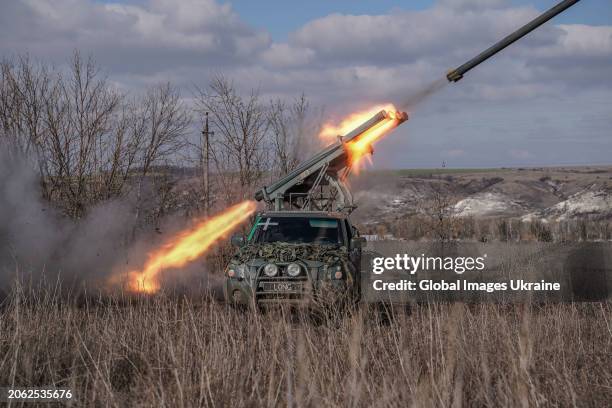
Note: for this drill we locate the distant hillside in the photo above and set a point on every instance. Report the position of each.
(530, 193)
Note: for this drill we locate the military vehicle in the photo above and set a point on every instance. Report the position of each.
(305, 248)
(296, 257)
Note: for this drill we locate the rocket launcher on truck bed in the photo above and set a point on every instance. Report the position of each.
(317, 184)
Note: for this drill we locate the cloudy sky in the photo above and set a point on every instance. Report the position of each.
(547, 100)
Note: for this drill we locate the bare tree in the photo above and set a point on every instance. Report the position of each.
(292, 132)
(23, 90)
(80, 113)
(159, 126)
(440, 217)
(167, 122)
(88, 140)
(240, 126)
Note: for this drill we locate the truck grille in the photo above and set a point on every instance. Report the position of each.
(283, 288)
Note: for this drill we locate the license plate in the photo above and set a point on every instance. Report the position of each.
(281, 286)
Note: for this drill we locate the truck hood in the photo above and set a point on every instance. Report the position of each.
(313, 255)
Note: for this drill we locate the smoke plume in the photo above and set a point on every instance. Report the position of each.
(37, 241)
(416, 98)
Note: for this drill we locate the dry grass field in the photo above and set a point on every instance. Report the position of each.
(169, 350)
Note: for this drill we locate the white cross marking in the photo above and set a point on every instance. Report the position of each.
(267, 223)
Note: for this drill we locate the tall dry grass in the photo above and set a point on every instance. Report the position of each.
(173, 351)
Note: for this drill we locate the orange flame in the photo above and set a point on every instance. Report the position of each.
(361, 146)
(187, 245)
(330, 131)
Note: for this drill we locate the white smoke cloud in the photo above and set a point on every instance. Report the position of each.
(37, 240)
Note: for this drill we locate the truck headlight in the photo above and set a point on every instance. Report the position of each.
(270, 270)
(293, 269)
(237, 271)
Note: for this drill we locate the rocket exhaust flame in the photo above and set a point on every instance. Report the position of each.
(186, 246)
(331, 131)
(358, 147)
(361, 146)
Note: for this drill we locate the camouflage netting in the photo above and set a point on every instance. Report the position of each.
(284, 252)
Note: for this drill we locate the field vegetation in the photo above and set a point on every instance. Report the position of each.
(171, 350)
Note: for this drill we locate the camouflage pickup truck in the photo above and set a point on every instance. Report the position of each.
(296, 257)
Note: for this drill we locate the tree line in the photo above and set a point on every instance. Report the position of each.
(92, 141)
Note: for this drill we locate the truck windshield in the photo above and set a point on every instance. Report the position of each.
(298, 230)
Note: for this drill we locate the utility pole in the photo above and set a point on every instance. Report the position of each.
(205, 168)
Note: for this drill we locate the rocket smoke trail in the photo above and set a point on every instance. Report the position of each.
(410, 103)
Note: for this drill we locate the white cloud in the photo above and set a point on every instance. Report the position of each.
(282, 55)
(338, 55)
(438, 33)
(473, 4)
(579, 40)
(147, 36)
